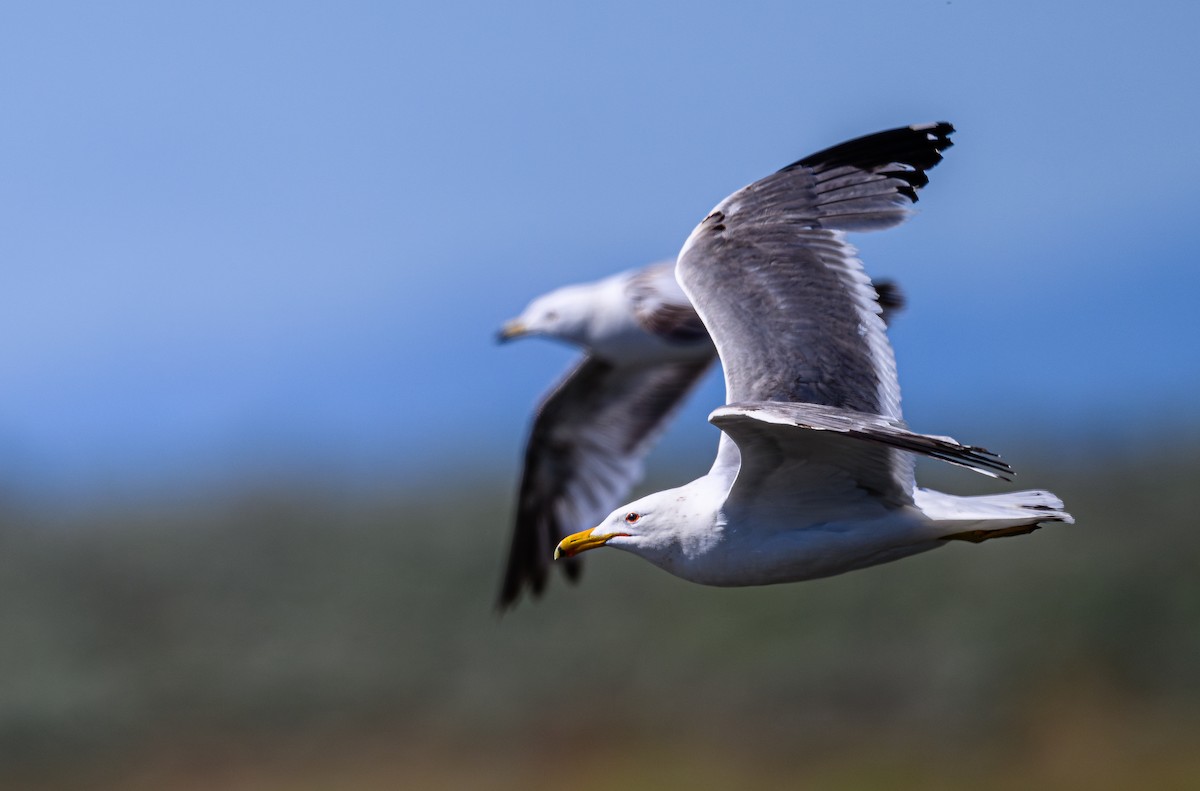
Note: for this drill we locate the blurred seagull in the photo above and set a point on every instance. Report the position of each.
(814, 470)
(645, 351)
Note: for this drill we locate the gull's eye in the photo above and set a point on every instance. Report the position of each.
(551, 315)
(632, 517)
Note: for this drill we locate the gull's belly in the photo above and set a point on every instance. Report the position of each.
(758, 557)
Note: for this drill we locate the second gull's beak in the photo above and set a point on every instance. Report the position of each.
(582, 541)
(511, 329)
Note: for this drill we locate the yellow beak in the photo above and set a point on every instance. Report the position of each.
(511, 329)
(582, 541)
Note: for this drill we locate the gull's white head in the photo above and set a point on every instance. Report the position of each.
(664, 528)
(564, 314)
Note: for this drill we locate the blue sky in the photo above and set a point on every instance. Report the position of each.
(244, 238)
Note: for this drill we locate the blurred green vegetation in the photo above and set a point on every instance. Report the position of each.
(304, 636)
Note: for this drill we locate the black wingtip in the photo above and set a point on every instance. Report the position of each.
(918, 145)
(573, 568)
(890, 297)
(519, 578)
(915, 148)
(510, 592)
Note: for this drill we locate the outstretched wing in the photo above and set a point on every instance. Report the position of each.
(792, 313)
(584, 454)
(825, 463)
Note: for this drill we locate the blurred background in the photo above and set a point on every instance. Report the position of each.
(257, 447)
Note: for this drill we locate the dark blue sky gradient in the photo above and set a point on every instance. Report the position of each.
(249, 239)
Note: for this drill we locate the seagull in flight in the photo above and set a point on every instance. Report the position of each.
(645, 351)
(814, 469)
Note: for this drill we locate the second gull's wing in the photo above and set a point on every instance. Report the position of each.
(661, 308)
(584, 454)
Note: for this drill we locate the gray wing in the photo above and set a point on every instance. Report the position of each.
(826, 463)
(661, 308)
(584, 454)
(788, 305)
(792, 313)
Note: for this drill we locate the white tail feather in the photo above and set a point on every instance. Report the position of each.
(990, 512)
